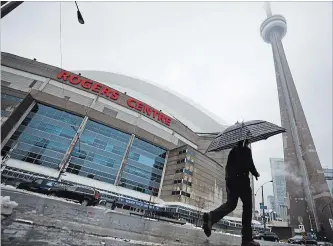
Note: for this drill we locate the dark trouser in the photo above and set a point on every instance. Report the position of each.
(237, 188)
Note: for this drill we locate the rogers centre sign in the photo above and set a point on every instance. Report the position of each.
(112, 94)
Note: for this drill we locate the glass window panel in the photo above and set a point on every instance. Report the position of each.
(38, 136)
(5, 113)
(144, 167)
(103, 152)
(9, 99)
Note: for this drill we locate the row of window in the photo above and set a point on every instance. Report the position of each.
(46, 133)
(189, 159)
(182, 151)
(9, 101)
(184, 170)
(37, 145)
(143, 174)
(142, 181)
(181, 161)
(10, 98)
(127, 183)
(5, 113)
(11, 172)
(182, 181)
(182, 193)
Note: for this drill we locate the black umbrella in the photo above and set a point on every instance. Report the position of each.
(253, 131)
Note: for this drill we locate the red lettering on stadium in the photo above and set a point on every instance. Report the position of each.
(110, 93)
(146, 109)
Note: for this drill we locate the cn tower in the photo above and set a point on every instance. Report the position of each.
(307, 191)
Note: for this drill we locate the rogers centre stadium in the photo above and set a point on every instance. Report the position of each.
(133, 141)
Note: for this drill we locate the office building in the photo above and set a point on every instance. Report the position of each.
(279, 182)
(271, 202)
(328, 172)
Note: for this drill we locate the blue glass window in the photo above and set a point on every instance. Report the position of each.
(44, 136)
(188, 172)
(143, 170)
(99, 152)
(8, 101)
(6, 97)
(5, 113)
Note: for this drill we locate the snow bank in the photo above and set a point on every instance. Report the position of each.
(9, 187)
(128, 241)
(150, 219)
(7, 205)
(191, 226)
(229, 234)
(30, 222)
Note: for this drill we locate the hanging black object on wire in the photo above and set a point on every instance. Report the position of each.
(79, 15)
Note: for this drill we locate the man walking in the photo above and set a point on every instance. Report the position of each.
(239, 164)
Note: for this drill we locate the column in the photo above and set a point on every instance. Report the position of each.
(65, 161)
(163, 173)
(124, 160)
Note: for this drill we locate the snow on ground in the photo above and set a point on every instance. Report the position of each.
(187, 225)
(9, 187)
(130, 241)
(12, 188)
(150, 219)
(24, 221)
(107, 210)
(7, 205)
(193, 227)
(229, 234)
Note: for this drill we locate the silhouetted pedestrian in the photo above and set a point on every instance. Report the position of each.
(114, 205)
(239, 164)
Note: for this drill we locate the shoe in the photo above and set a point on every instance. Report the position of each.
(207, 224)
(250, 243)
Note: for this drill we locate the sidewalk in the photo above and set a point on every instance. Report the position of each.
(44, 228)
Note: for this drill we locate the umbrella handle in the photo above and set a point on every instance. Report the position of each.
(247, 134)
(241, 132)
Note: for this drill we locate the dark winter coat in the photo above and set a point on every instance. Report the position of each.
(240, 163)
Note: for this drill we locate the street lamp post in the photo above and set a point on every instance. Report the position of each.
(263, 201)
(263, 206)
(9, 6)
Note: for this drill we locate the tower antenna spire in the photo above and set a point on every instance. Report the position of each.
(267, 7)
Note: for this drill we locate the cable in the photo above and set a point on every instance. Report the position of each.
(60, 38)
(60, 43)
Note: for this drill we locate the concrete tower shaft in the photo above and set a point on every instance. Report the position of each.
(307, 191)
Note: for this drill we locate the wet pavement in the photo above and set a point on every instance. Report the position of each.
(57, 222)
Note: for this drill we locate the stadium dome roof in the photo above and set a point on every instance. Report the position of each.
(170, 102)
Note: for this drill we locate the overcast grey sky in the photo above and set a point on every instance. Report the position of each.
(211, 52)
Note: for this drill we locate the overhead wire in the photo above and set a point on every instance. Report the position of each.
(60, 44)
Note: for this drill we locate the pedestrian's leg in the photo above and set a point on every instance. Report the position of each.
(226, 208)
(246, 198)
(209, 219)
